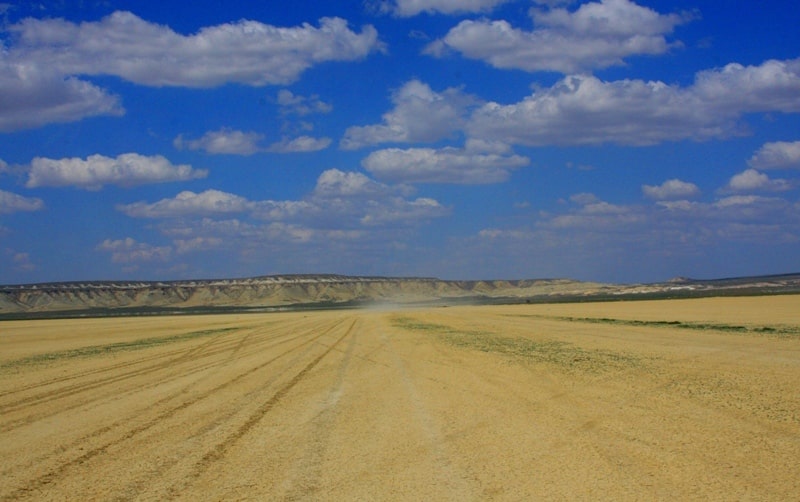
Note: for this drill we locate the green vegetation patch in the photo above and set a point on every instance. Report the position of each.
(563, 354)
(99, 350)
(771, 330)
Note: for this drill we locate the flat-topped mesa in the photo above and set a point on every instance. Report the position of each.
(265, 291)
(334, 290)
(267, 279)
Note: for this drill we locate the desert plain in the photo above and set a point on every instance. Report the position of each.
(694, 399)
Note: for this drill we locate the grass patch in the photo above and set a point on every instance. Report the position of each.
(563, 354)
(771, 330)
(100, 350)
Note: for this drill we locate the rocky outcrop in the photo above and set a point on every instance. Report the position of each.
(332, 290)
(271, 291)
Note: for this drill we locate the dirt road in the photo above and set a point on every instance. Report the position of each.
(669, 400)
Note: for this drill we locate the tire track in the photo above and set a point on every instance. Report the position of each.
(221, 448)
(60, 470)
(448, 474)
(80, 388)
(165, 465)
(105, 429)
(114, 367)
(309, 468)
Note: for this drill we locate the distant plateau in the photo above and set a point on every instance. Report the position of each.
(324, 291)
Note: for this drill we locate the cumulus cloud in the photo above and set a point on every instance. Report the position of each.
(593, 235)
(129, 250)
(17, 261)
(299, 144)
(596, 35)
(189, 203)
(340, 201)
(419, 115)
(31, 96)
(196, 244)
(409, 8)
(593, 213)
(232, 142)
(752, 180)
(223, 141)
(397, 209)
(777, 155)
(445, 165)
(553, 3)
(582, 109)
(346, 219)
(22, 262)
(291, 103)
(92, 173)
(245, 52)
(671, 189)
(13, 203)
(336, 183)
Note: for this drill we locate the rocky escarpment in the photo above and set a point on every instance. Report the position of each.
(332, 290)
(271, 291)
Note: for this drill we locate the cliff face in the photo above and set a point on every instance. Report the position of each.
(298, 290)
(274, 291)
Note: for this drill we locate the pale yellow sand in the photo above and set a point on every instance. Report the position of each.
(558, 402)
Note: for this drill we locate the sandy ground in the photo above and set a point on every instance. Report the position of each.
(667, 400)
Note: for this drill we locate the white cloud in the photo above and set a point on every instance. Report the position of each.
(341, 201)
(18, 261)
(777, 155)
(299, 144)
(196, 244)
(281, 210)
(31, 97)
(223, 141)
(12, 203)
(752, 180)
(756, 209)
(419, 115)
(593, 214)
(671, 189)
(445, 165)
(129, 251)
(581, 110)
(347, 219)
(397, 209)
(189, 203)
(335, 183)
(22, 262)
(771, 86)
(592, 236)
(596, 35)
(245, 52)
(232, 142)
(408, 8)
(126, 170)
(291, 103)
(553, 3)
(352, 200)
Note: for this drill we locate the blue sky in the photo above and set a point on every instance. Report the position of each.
(609, 140)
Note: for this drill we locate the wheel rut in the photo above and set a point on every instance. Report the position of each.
(219, 450)
(61, 469)
(173, 368)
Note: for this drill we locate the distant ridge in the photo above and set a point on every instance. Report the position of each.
(295, 291)
(282, 278)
